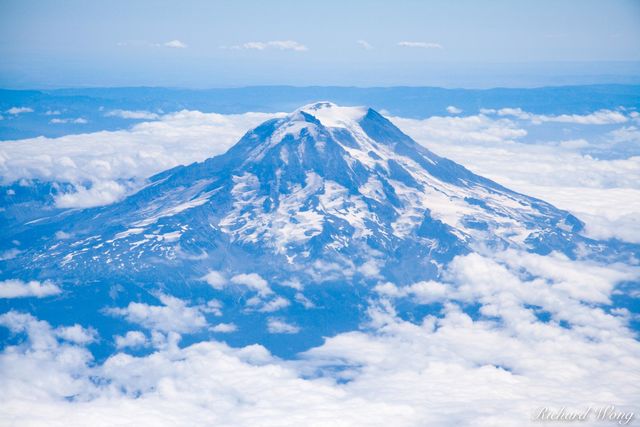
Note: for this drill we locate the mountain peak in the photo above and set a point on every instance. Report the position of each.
(333, 115)
(325, 193)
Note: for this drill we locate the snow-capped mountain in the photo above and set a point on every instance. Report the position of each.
(331, 196)
(326, 192)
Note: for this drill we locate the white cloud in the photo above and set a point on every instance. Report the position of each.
(19, 110)
(280, 326)
(52, 113)
(99, 194)
(9, 254)
(176, 44)
(224, 328)
(274, 44)
(253, 281)
(600, 117)
(424, 292)
(496, 368)
(173, 44)
(79, 121)
(132, 339)
(453, 110)
(77, 334)
(275, 304)
(215, 279)
(370, 268)
(173, 316)
(364, 44)
(420, 45)
(15, 288)
(625, 134)
(137, 114)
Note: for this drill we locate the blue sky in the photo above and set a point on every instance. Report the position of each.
(363, 43)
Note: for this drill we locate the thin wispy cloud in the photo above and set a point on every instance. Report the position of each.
(19, 110)
(364, 44)
(273, 44)
(175, 44)
(420, 45)
(172, 44)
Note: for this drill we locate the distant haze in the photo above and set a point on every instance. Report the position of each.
(206, 44)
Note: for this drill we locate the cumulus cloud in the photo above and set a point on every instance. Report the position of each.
(15, 288)
(175, 44)
(275, 304)
(420, 45)
(19, 110)
(453, 110)
(535, 340)
(253, 281)
(136, 115)
(422, 292)
(215, 279)
(274, 44)
(173, 316)
(277, 325)
(98, 194)
(364, 44)
(76, 334)
(224, 328)
(132, 339)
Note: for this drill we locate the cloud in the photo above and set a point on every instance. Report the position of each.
(280, 326)
(79, 120)
(364, 44)
(274, 44)
(132, 339)
(625, 135)
(275, 304)
(172, 44)
(77, 334)
(215, 279)
(453, 110)
(176, 44)
(600, 117)
(421, 292)
(99, 194)
(19, 110)
(253, 281)
(9, 254)
(136, 115)
(15, 288)
(173, 316)
(224, 328)
(535, 339)
(420, 45)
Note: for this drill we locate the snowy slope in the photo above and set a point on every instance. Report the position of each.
(327, 191)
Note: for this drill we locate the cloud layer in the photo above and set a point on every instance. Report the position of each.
(537, 338)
